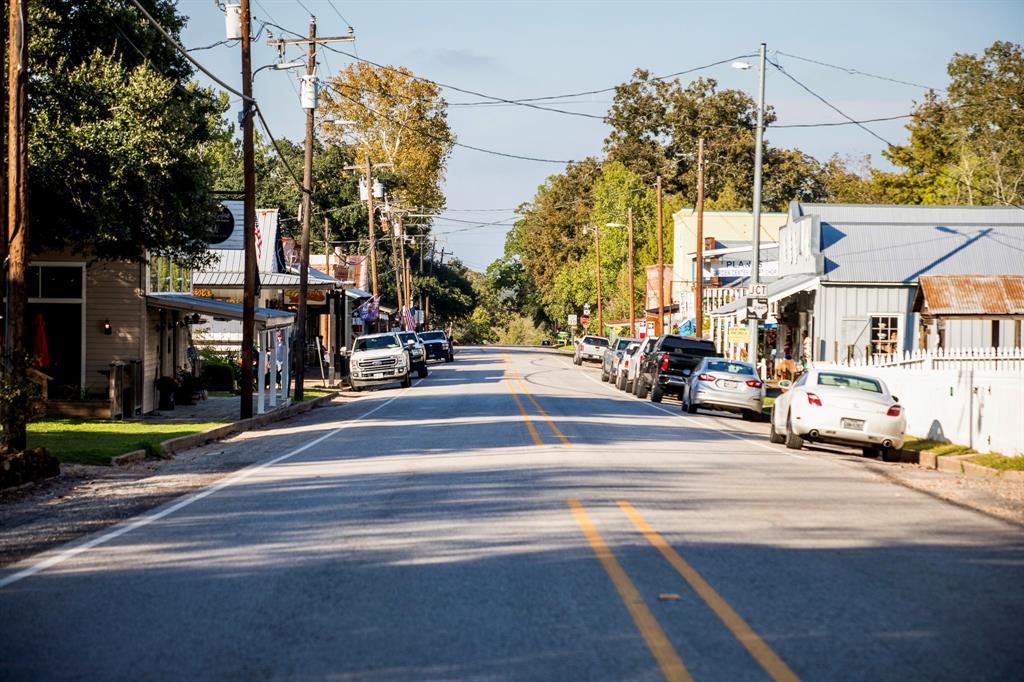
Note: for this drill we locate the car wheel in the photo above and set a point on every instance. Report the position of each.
(422, 372)
(749, 416)
(407, 381)
(641, 388)
(618, 381)
(869, 451)
(604, 375)
(628, 386)
(451, 357)
(773, 435)
(793, 441)
(656, 394)
(357, 389)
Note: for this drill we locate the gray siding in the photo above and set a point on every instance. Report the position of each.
(842, 317)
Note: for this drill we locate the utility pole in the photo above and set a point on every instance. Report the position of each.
(309, 103)
(755, 264)
(369, 215)
(597, 263)
(16, 414)
(699, 289)
(249, 219)
(659, 327)
(632, 280)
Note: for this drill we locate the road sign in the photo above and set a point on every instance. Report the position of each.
(738, 335)
(757, 309)
(572, 320)
(586, 309)
(759, 290)
(584, 319)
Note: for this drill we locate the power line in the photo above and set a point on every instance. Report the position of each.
(213, 45)
(857, 72)
(937, 171)
(438, 138)
(331, 3)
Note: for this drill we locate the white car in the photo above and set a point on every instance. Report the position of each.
(632, 385)
(379, 359)
(620, 379)
(590, 348)
(835, 405)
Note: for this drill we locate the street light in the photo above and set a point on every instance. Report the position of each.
(280, 66)
(755, 265)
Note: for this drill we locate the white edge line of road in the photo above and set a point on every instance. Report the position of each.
(74, 550)
(763, 446)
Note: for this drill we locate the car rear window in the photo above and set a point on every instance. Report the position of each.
(595, 341)
(622, 344)
(432, 336)
(849, 381)
(691, 346)
(730, 367)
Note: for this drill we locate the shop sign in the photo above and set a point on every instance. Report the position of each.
(313, 297)
(738, 335)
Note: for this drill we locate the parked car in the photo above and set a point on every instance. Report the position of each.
(668, 366)
(589, 348)
(417, 353)
(730, 385)
(637, 362)
(438, 345)
(839, 406)
(378, 359)
(612, 356)
(622, 371)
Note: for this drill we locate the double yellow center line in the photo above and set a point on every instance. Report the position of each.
(513, 379)
(672, 666)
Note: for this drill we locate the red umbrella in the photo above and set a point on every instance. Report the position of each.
(42, 348)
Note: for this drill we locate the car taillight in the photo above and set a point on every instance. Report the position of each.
(664, 362)
(625, 363)
(894, 411)
(754, 383)
(706, 377)
(813, 399)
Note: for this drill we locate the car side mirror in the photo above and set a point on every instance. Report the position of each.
(785, 384)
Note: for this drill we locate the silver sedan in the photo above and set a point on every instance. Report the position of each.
(720, 384)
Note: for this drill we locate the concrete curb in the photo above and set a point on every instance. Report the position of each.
(192, 440)
(952, 464)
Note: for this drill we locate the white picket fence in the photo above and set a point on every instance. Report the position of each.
(970, 397)
(955, 358)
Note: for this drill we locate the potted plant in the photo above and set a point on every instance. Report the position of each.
(166, 387)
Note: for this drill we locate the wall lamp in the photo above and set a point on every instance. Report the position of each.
(107, 329)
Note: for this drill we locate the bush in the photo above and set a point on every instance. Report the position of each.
(219, 376)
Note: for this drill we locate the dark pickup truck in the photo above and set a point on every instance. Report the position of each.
(669, 364)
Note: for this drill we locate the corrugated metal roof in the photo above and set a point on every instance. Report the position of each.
(235, 280)
(971, 295)
(268, 318)
(904, 243)
(777, 290)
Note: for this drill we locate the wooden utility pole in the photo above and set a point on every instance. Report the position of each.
(369, 215)
(408, 293)
(659, 326)
(597, 262)
(632, 278)
(698, 321)
(16, 415)
(309, 103)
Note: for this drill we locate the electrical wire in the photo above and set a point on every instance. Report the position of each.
(333, 7)
(857, 72)
(938, 171)
(213, 45)
(439, 138)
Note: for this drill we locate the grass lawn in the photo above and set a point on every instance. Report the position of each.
(76, 441)
(310, 393)
(938, 447)
(994, 461)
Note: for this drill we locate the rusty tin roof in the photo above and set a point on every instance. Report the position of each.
(971, 295)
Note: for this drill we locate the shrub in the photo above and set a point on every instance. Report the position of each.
(219, 376)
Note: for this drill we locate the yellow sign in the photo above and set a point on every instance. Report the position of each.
(738, 335)
(313, 297)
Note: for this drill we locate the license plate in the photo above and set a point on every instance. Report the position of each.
(377, 375)
(852, 424)
(729, 384)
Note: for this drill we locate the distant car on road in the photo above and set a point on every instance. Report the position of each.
(839, 406)
(417, 353)
(589, 348)
(438, 345)
(668, 366)
(621, 379)
(378, 359)
(730, 385)
(636, 362)
(612, 356)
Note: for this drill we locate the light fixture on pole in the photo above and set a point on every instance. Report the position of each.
(632, 281)
(755, 264)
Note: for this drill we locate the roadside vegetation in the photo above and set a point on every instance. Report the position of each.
(75, 441)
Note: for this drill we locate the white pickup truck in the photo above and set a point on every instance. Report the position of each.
(590, 348)
(378, 359)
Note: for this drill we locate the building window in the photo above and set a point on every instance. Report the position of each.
(885, 336)
(166, 276)
(55, 281)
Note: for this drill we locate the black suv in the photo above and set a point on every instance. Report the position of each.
(669, 364)
(438, 345)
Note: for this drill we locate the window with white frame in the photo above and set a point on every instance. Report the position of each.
(885, 334)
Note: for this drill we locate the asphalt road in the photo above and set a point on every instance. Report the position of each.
(510, 517)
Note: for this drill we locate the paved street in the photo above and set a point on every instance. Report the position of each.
(511, 517)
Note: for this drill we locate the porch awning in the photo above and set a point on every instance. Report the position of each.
(357, 293)
(777, 290)
(267, 318)
(275, 280)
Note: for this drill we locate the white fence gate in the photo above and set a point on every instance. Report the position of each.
(973, 398)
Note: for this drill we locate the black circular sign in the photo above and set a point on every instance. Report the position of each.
(223, 226)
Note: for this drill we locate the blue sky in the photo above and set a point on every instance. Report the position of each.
(529, 49)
